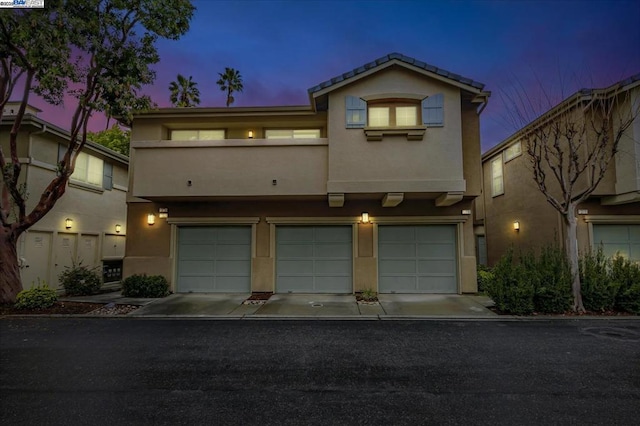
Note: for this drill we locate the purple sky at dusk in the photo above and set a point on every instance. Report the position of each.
(282, 48)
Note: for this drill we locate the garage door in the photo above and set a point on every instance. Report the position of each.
(314, 259)
(623, 239)
(417, 259)
(214, 259)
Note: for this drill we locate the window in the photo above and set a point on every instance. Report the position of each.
(513, 151)
(292, 133)
(397, 112)
(497, 183)
(89, 169)
(198, 135)
(392, 114)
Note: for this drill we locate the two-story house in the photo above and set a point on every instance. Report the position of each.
(88, 224)
(516, 214)
(369, 187)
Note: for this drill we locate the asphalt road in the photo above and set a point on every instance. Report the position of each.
(199, 372)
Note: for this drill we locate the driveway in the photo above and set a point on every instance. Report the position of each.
(295, 306)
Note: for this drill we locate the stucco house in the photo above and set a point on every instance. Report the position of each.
(611, 215)
(370, 186)
(88, 223)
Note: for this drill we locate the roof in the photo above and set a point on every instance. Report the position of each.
(612, 90)
(400, 58)
(45, 126)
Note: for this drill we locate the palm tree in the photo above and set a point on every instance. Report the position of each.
(230, 81)
(184, 92)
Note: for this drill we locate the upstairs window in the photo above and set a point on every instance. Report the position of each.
(497, 182)
(292, 133)
(198, 135)
(89, 169)
(513, 151)
(391, 113)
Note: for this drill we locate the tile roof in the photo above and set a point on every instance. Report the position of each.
(402, 58)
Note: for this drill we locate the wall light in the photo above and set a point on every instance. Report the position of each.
(250, 134)
(68, 223)
(118, 229)
(516, 226)
(365, 217)
(151, 219)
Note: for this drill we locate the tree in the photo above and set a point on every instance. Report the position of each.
(97, 51)
(184, 92)
(230, 81)
(114, 138)
(570, 149)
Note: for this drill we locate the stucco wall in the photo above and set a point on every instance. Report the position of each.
(433, 164)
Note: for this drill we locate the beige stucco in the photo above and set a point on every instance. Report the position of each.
(617, 195)
(330, 180)
(434, 164)
(48, 246)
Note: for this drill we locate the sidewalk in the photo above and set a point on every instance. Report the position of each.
(300, 306)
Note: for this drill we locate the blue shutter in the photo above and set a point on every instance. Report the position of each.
(433, 110)
(62, 149)
(356, 110)
(107, 176)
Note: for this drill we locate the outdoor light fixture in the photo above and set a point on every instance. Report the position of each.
(118, 229)
(365, 217)
(516, 226)
(250, 134)
(151, 219)
(68, 223)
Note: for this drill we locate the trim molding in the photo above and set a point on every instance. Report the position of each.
(612, 218)
(212, 220)
(417, 220)
(313, 220)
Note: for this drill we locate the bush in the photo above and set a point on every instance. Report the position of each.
(80, 280)
(626, 276)
(484, 276)
(598, 289)
(145, 286)
(553, 281)
(512, 288)
(37, 297)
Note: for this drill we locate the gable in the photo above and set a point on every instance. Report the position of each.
(318, 93)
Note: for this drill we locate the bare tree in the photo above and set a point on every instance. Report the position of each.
(571, 148)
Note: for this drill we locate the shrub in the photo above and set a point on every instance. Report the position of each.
(37, 297)
(512, 288)
(598, 289)
(553, 281)
(626, 275)
(80, 280)
(484, 276)
(145, 286)
(369, 295)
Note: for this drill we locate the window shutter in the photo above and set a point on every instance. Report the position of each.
(356, 110)
(433, 110)
(107, 176)
(61, 151)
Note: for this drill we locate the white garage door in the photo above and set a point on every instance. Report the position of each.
(314, 259)
(214, 259)
(417, 259)
(623, 239)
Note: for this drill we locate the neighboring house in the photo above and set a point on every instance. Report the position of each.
(88, 224)
(611, 216)
(369, 187)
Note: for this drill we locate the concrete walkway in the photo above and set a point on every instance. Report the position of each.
(300, 306)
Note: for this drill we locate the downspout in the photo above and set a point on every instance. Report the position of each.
(485, 102)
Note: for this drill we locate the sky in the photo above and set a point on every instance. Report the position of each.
(548, 49)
